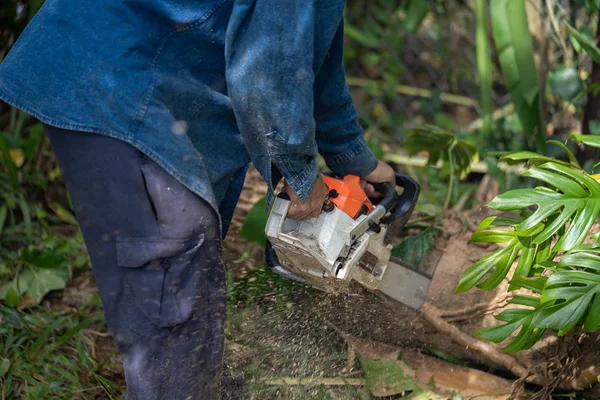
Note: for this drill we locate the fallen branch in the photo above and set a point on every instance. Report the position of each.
(489, 351)
(290, 381)
(483, 306)
(586, 378)
(421, 162)
(413, 91)
(496, 115)
(583, 380)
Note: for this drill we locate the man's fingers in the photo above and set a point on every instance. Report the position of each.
(297, 211)
(370, 191)
(312, 208)
(315, 212)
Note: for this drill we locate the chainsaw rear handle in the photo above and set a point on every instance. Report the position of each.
(405, 204)
(389, 195)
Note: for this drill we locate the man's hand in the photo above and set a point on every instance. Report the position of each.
(313, 205)
(383, 173)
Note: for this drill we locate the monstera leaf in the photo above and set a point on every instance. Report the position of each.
(513, 241)
(547, 242)
(456, 155)
(571, 293)
(514, 319)
(576, 202)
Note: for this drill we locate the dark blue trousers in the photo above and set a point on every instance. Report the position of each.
(155, 252)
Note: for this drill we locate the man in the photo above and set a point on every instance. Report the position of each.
(155, 109)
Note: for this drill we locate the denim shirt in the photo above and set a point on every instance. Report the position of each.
(203, 87)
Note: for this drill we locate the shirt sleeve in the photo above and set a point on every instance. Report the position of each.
(269, 54)
(339, 136)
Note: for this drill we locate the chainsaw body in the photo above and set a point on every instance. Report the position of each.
(348, 241)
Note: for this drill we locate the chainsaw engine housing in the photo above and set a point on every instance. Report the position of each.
(334, 245)
(348, 241)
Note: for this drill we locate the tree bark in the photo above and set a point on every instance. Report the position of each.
(591, 113)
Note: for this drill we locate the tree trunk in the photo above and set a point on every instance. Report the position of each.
(591, 113)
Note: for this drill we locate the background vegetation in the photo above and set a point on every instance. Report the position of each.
(441, 88)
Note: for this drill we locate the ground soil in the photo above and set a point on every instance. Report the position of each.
(305, 336)
(308, 336)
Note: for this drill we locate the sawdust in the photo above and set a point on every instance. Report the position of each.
(299, 342)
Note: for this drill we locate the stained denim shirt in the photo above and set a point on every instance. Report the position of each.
(203, 87)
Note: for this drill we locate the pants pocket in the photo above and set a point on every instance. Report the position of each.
(163, 283)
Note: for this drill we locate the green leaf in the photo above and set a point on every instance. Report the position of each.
(586, 32)
(416, 11)
(11, 296)
(515, 319)
(526, 260)
(515, 52)
(577, 206)
(3, 213)
(529, 157)
(572, 159)
(566, 300)
(484, 64)
(523, 48)
(413, 249)
(588, 140)
(501, 259)
(587, 44)
(43, 259)
(364, 37)
(442, 145)
(4, 366)
(64, 214)
(535, 284)
(40, 281)
(254, 225)
(8, 162)
(566, 84)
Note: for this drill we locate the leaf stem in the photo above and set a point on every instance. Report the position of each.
(451, 182)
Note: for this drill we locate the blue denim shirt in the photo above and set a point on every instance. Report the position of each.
(203, 87)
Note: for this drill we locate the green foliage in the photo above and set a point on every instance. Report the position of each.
(413, 249)
(484, 64)
(46, 355)
(254, 225)
(515, 52)
(442, 146)
(585, 43)
(566, 84)
(548, 235)
(35, 259)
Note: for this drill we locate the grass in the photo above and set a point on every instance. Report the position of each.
(49, 355)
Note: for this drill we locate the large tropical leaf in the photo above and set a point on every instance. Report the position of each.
(575, 202)
(514, 319)
(570, 297)
(513, 241)
(443, 146)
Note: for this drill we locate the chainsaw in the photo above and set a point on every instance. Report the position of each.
(348, 241)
